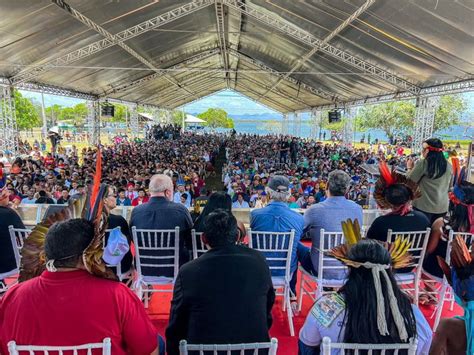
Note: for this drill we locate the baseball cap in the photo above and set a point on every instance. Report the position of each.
(279, 183)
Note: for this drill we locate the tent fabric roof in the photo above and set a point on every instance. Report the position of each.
(421, 42)
(193, 119)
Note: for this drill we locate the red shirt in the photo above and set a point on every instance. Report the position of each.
(73, 308)
(138, 201)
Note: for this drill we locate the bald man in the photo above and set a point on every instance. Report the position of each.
(162, 213)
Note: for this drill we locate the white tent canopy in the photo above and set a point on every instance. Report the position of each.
(193, 119)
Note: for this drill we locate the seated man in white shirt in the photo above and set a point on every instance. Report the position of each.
(352, 314)
(30, 197)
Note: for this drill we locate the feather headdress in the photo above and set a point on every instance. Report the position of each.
(399, 258)
(388, 178)
(33, 259)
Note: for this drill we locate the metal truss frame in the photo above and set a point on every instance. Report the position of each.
(96, 27)
(136, 83)
(120, 37)
(134, 121)
(330, 36)
(220, 20)
(305, 37)
(437, 90)
(424, 120)
(93, 120)
(8, 125)
(323, 94)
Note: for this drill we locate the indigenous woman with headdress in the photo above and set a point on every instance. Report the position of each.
(395, 192)
(370, 308)
(433, 174)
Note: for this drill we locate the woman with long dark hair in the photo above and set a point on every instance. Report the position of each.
(433, 175)
(218, 200)
(352, 315)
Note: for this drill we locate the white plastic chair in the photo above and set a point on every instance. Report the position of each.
(327, 241)
(277, 248)
(15, 349)
(417, 249)
(446, 292)
(156, 249)
(17, 238)
(381, 349)
(215, 349)
(118, 268)
(198, 246)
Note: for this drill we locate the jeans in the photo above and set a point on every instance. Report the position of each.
(161, 345)
(303, 254)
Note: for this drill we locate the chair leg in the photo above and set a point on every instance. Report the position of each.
(439, 308)
(290, 311)
(416, 291)
(300, 295)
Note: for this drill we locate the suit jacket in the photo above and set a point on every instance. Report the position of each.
(224, 296)
(159, 213)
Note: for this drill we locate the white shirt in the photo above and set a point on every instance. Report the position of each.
(313, 331)
(237, 204)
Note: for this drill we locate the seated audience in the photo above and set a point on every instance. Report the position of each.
(278, 217)
(240, 202)
(67, 305)
(43, 198)
(64, 199)
(352, 315)
(122, 200)
(328, 215)
(223, 297)
(142, 198)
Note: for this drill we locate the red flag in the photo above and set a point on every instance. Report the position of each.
(97, 178)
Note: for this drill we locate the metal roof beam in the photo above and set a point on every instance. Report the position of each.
(136, 83)
(96, 27)
(323, 94)
(120, 37)
(50, 89)
(220, 20)
(313, 51)
(437, 90)
(305, 37)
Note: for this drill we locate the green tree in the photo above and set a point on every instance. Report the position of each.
(53, 113)
(177, 117)
(27, 114)
(216, 117)
(449, 112)
(392, 117)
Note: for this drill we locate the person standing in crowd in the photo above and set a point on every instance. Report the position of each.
(240, 310)
(141, 199)
(114, 221)
(284, 149)
(162, 213)
(352, 315)
(328, 215)
(433, 174)
(66, 305)
(278, 217)
(294, 146)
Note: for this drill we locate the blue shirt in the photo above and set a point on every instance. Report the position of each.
(278, 217)
(237, 204)
(177, 198)
(328, 215)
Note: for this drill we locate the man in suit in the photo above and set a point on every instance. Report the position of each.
(162, 213)
(223, 297)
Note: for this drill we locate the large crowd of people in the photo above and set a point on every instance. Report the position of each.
(226, 295)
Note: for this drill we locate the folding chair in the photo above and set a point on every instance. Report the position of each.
(418, 241)
(277, 248)
(156, 259)
(215, 349)
(17, 237)
(327, 241)
(118, 268)
(198, 247)
(446, 292)
(371, 349)
(15, 349)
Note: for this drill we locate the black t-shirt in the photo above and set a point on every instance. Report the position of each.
(8, 217)
(413, 221)
(284, 146)
(293, 147)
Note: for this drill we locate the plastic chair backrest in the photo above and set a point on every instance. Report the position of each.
(418, 241)
(328, 241)
(198, 247)
(369, 349)
(17, 237)
(218, 349)
(15, 349)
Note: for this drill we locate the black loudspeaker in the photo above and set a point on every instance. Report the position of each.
(334, 116)
(108, 110)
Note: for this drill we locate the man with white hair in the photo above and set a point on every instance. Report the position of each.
(328, 215)
(278, 217)
(162, 213)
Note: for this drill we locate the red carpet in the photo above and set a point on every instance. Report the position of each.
(287, 345)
